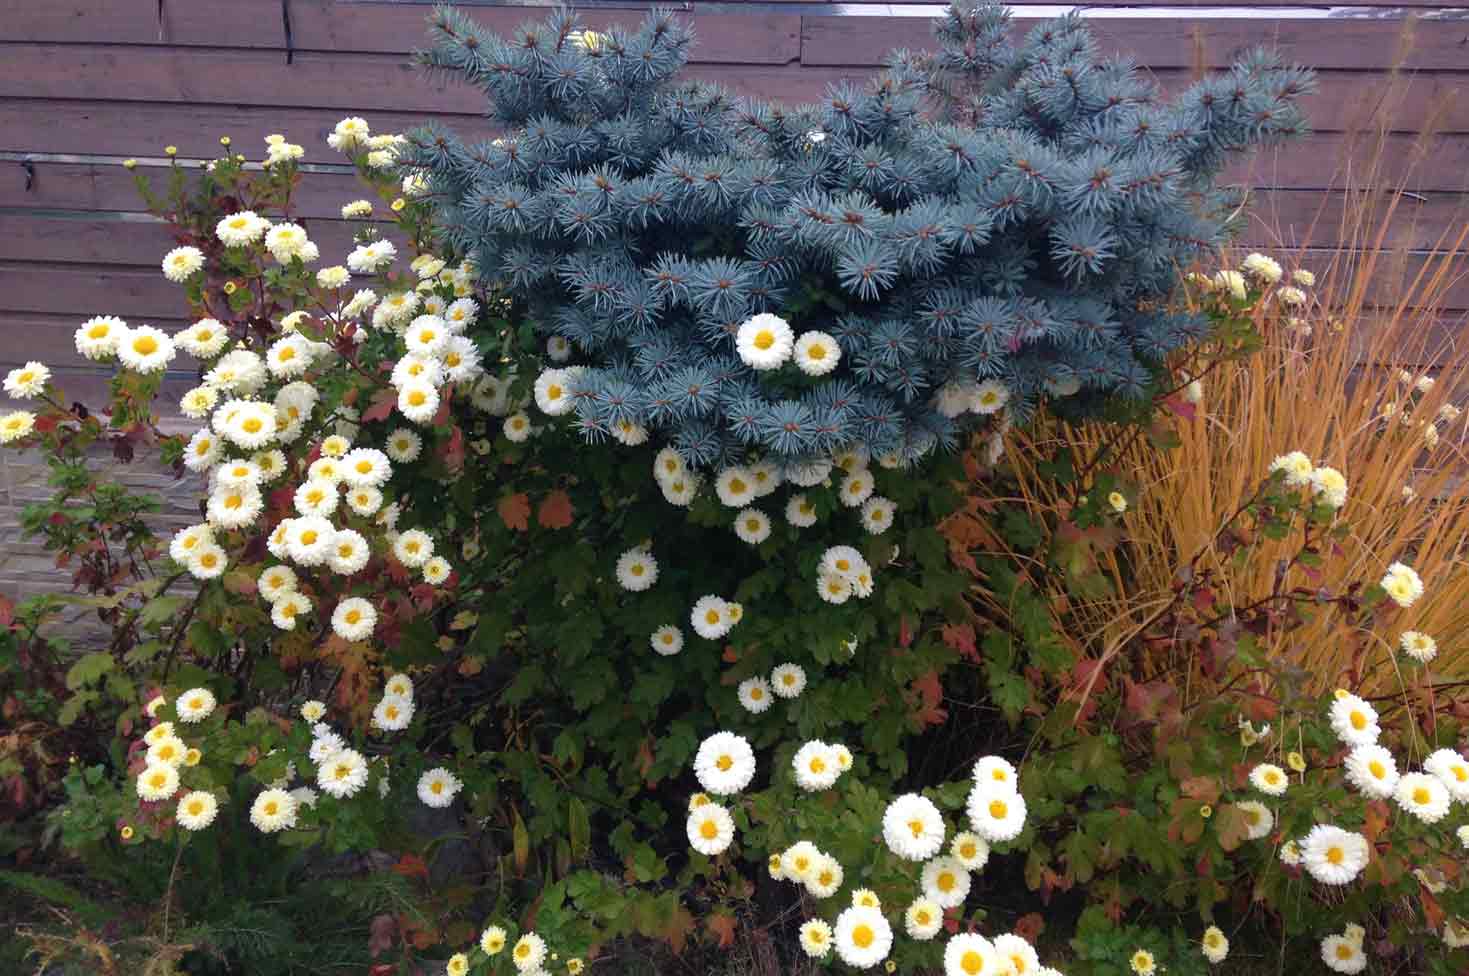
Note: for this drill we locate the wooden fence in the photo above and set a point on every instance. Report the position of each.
(85, 84)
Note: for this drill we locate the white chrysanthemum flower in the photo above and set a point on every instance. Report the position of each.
(413, 548)
(1290, 854)
(285, 611)
(195, 705)
(667, 640)
(815, 767)
(239, 229)
(1303, 278)
(289, 356)
(817, 353)
(365, 467)
(1332, 855)
(735, 486)
(800, 512)
(517, 427)
(1269, 779)
(350, 552)
(413, 367)
(1232, 282)
(843, 561)
(371, 257)
(437, 570)
(752, 526)
(710, 617)
(461, 314)
(1019, 953)
(955, 397)
(877, 514)
(418, 401)
(1215, 945)
(1296, 466)
(637, 570)
(865, 898)
(276, 582)
(438, 786)
(808, 474)
(553, 393)
(328, 468)
(167, 751)
(461, 359)
(990, 397)
(356, 306)
(788, 680)
(833, 589)
(492, 940)
(287, 241)
(767, 477)
(196, 810)
(400, 685)
(862, 937)
(857, 457)
(1266, 269)
(395, 310)
(816, 938)
(313, 710)
(971, 954)
(558, 350)
(754, 695)
(996, 771)
(1354, 721)
(1418, 646)
(404, 445)
(316, 497)
(1423, 795)
(856, 488)
(668, 464)
(1372, 770)
(826, 877)
(154, 704)
(1452, 769)
(427, 336)
(354, 619)
(945, 881)
(724, 764)
(629, 434)
(250, 425)
(1330, 485)
(145, 349)
(237, 474)
(1342, 954)
(764, 341)
(343, 773)
(529, 953)
(913, 828)
(271, 464)
(996, 812)
(208, 561)
(158, 733)
(799, 860)
(309, 540)
(97, 338)
(923, 919)
(333, 277)
(1259, 821)
(187, 540)
(680, 491)
(27, 381)
(393, 713)
(364, 501)
(273, 810)
(710, 829)
(1402, 584)
(970, 850)
(238, 371)
(1290, 297)
(234, 508)
(181, 263)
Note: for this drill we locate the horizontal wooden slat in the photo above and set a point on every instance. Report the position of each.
(1167, 42)
(51, 338)
(366, 84)
(397, 28)
(210, 23)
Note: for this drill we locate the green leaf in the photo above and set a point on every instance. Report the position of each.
(89, 670)
(580, 828)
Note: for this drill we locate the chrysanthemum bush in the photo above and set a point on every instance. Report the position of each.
(702, 666)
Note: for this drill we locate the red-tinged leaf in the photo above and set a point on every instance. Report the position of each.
(382, 405)
(961, 638)
(645, 758)
(723, 927)
(46, 423)
(239, 582)
(1202, 788)
(411, 866)
(1432, 911)
(453, 452)
(730, 655)
(1203, 599)
(515, 512)
(1181, 407)
(555, 511)
(442, 417)
(1375, 821)
(1029, 927)
(680, 923)
(905, 633)
(930, 700)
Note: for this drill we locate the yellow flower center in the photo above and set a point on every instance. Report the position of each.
(752, 525)
(553, 392)
(737, 486)
(1421, 796)
(523, 950)
(196, 807)
(856, 487)
(816, 351)
(999, 809)
(234, 501)
(917, 827)
(1335, 855)
(308, 538)
(725, 763)
(921, 916)
(437, 786)
(99, 331)
(972, 963)
(945, 881)
(452, 360)
(711, 617)
(287, 354)
(252, 425)
(817, 765)
(209, 560)
(239, 223)
(708, 830)
(637, 569)
(1344, 951)
(968, 850)
(756, 693)
(764, 339)
(352, 617)
(1377, 770)
(1252, 817)
(417, 398)
(862, 935)
(271, 808)
(1359, 721)
(843, 565)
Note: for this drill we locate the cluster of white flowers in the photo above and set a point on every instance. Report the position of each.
(843, 573)
(818, 765)
(1343, 953)
(984, 398)
(713, 616)
(805, 864)
(168, 755)
(756, 693)
(710, 827)
(1327, 484)
(995, 807)
(394, 711)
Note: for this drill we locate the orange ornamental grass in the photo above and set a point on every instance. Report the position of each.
(1370, 376)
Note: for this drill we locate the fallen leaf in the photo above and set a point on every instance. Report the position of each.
(555, 511)
(515, 512)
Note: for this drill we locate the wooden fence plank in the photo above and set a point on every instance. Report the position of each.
(1165, 42)
(51, 338)
(210, 23)
(397, 28)
(366, 84)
